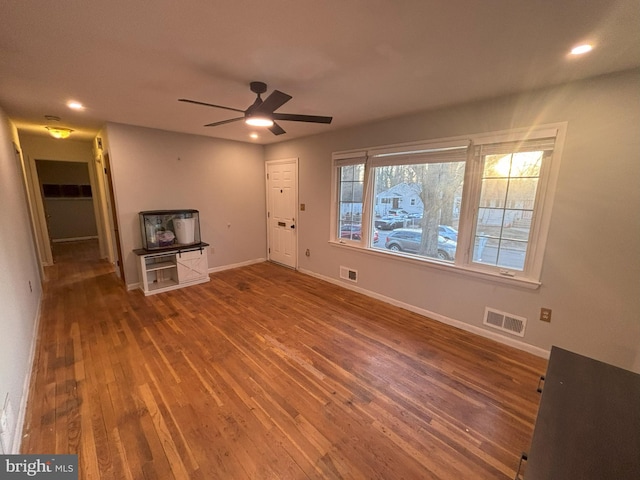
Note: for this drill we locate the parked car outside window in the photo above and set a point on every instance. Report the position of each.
(396, 211)
(409, 240)
(448, 232)
(354, 232)
(390, 222)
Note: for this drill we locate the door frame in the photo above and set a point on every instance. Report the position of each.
(268, 163)
(27, 183)
(39, 215)
(113, 227)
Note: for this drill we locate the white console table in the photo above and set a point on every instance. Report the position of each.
(168, 269)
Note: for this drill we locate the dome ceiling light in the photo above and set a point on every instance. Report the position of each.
(54, 130)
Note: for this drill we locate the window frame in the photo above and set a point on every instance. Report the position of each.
(345, 159)
(470, 205)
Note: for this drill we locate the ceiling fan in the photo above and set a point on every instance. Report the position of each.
(262, 113)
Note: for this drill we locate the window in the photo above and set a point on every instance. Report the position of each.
(351, 168)
(505, 212)
(425, 183)
(512, 176)
(476, 204)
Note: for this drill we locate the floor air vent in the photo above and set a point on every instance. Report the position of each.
(348, 274)
(505, 321)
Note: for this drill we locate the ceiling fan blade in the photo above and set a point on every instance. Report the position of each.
(215, 124)
(301, 118)
(276, 129)
(209, 105)
(273, 102)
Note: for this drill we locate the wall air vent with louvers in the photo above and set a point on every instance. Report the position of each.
(349, 274)
(506, 322)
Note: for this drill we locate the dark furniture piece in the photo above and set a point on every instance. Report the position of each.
(588, 424)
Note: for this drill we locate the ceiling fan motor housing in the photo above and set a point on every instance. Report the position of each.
(258, 87)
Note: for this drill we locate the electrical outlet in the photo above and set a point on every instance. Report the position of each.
(545, 314)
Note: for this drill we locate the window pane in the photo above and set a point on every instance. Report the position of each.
(516, 225)
(346, 192)
(512, 254)
(489, 221)
(352, 173)
(507, 203)
(485, 250)
(497, 166)
(350, 200)
(416, 208)
(494, 192)
(522, 193)
(526, 164)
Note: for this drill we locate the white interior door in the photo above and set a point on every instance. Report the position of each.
(282, 201)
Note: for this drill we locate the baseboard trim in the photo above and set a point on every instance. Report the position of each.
(537, 351)
(72, 239)
(26, 387)
(236, 265)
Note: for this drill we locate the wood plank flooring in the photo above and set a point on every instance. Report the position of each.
(266, 373)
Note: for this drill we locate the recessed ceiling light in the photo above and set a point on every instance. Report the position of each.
(580, 49)
(75, 105)
(254, 135)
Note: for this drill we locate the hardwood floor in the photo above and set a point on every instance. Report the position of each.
(267, 373)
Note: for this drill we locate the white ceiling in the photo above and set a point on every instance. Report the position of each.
(356, 60)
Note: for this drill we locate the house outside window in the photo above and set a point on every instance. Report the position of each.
(478, 204)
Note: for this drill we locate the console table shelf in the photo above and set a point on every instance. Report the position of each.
(160, 266)
(168, 269)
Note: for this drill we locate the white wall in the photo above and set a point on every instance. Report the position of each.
(19, 302)
(223, 180)
(591, 271)
(44, 147)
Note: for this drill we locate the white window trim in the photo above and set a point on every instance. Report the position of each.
(345, 159)
(471, 191)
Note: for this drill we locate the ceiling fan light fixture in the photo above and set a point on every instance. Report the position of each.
(581, 49)
(258, 121)
(59, 132)
(72, 104)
